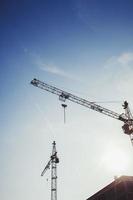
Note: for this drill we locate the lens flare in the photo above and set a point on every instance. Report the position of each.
(115, 160)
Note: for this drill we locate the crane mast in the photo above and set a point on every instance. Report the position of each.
(63, 96)
(53, 163)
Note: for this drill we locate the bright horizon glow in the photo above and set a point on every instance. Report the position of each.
(115, 160)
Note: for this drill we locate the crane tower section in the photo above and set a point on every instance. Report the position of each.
(53, 164)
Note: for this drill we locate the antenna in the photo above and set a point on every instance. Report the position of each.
(53, 163)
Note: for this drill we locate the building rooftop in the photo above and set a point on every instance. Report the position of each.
(120, 189)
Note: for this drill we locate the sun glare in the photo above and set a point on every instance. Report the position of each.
(115, 160)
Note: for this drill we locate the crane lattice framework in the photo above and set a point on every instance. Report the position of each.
(126, 117)
(53, 163)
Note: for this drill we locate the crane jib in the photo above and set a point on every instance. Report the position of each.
(63, 96)
(127, 118)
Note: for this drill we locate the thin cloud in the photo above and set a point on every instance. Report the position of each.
(125, 58)
(57, 71)
(118, 73)
(50, 68)
(53, 69)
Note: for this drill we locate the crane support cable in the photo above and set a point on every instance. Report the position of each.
(63, 96)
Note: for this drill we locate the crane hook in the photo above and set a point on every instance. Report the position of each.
(64, 106)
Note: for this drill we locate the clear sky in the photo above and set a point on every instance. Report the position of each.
(84, 47)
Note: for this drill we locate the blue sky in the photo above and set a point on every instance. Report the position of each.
(84, 47)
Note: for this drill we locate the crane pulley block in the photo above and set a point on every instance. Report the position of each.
(63, 97)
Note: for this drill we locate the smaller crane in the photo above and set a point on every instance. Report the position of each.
(53, 163)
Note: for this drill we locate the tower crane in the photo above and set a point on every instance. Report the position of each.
(53, 163)
(126, 117)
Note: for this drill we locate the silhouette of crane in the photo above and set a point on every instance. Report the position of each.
(53, 163)
(126, 117)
